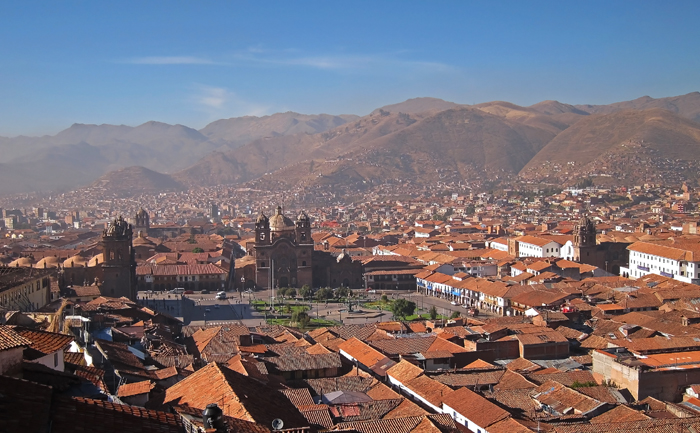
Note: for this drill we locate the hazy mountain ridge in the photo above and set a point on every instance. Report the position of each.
(488, 140)
(124, 182)
(158, 146)
(237, 131)
(687, 105)
(418, 105)
(633, 145)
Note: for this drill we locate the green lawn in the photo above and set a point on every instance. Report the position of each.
(376, 305)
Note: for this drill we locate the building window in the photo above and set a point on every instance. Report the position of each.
(303, 263)
(55, 359)
(262, 264)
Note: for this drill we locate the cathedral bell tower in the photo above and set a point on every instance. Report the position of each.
(118, 264)
(584, 238)
(262, 230)
(142, 221)
(303, 229)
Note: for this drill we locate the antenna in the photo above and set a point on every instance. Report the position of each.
(277, 424)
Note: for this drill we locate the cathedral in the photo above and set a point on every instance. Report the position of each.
(283, 250)
(285, 256)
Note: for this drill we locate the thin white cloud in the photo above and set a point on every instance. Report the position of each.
(213, 97)
(220, 102)
(258, 55)
(170, 60)
(348, 63)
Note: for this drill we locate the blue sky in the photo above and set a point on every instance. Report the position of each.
(195, 62)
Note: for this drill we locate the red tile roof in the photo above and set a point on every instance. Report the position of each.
(10, 339)
(474, 407)
(45, 342)
(135, 388)
(239, 396)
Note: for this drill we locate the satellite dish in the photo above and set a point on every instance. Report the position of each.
(277, 424)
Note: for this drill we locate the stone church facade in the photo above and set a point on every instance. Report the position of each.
(285, 256)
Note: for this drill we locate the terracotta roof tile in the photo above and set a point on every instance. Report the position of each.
(10, 339)
(239, 396)
(83, 414)
(474, 407)
(45, 342)
(366, 355)
(404, 371)
(135, 388)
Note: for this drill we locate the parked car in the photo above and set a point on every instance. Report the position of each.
(473, 312)
(216, 305)
(204, 292)
(221, 295)
(188, 292)
(207, 310)
(454, 303)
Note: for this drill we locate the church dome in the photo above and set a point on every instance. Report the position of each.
(22, 262)
(96, 260)
(77, 261)
(47, 262)
(279, 222)
(141, 240)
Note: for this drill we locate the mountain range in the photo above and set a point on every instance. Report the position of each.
(421, 140)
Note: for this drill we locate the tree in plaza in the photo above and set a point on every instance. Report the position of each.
(342, 292)
(305, 291)
(432, 313)
(403, 307)
(384, 298)
(323, 294)
(301, 318)
(291, 292)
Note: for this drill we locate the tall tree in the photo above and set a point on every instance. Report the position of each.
(402, 308)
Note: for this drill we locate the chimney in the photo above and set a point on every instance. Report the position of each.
(213, 418)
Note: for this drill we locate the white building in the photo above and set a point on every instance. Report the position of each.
(533, 246)
(500, 244)
(679, 263)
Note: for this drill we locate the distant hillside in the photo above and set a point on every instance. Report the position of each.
(543, 116)
(627, 145)
(456, 144)
(687, 106)
(53, 169)
(418, 105)
(218, 168)
(135, 180)
(80, 154)
(270, 154)
(238, 131)
(420, 140)
(553, 108)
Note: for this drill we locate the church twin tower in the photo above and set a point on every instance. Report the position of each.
(283, 250)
